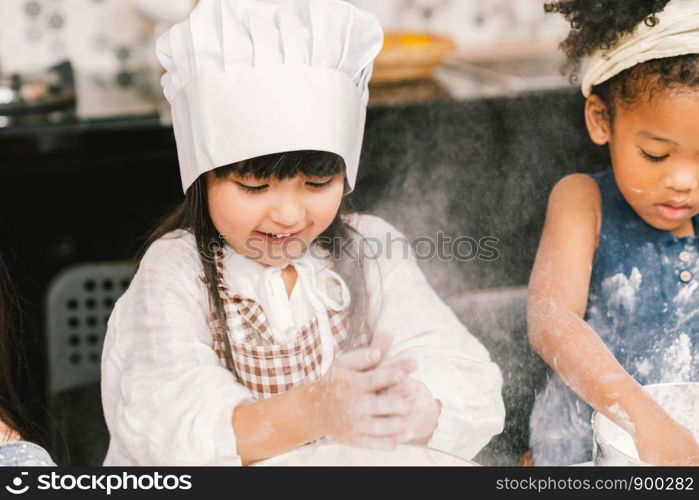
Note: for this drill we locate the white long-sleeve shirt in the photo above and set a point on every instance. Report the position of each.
(169, 401)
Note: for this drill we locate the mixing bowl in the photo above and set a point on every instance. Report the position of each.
(614, 446)
(341, 455)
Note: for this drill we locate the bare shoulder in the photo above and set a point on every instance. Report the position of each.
(576, 199)
(579, 188)
(563, 262)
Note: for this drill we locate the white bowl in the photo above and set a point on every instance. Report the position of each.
(342, 456)
(614, 446)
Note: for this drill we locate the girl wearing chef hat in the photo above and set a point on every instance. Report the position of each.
(613, 300)
(248, 328)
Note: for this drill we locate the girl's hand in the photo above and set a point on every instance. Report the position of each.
(424, 410)
(356, 405)
(660, 440)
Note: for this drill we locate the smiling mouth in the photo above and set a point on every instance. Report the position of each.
(277, 237)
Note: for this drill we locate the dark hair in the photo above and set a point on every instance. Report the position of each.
(599, 25)
(12, 411)
(193, 215)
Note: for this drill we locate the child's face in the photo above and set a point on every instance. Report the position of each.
(654, 145)
(248, 211)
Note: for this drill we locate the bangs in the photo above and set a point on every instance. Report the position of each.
(281, 166)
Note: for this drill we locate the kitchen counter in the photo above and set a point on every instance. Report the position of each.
(103, 102)
(133, 99)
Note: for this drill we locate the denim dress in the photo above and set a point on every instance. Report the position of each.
(644, 304)
(23, 454)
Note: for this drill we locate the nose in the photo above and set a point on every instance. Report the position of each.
(288, 210)
(682, 178)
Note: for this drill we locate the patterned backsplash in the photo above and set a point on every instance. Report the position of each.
(113, 36)
(96, 35)
(471, 22)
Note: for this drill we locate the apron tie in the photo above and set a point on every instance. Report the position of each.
(315, 285)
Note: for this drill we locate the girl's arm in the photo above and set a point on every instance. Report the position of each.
(558, 294)
(276, 425)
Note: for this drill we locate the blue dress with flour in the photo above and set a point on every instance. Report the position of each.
(24, 454)
(644, 304)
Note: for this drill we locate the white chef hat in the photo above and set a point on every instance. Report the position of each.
(247, 78)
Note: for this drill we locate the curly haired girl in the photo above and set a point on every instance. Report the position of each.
(613, 302)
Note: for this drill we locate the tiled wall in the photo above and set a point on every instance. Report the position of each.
(110, 35)
(96, 35)
(471, 22)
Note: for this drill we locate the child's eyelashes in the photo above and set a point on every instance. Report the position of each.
(319, 185)
(252, 189)
(263, 187)
(653, 158)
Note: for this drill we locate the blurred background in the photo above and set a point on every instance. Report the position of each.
(470, 124)
(113, 34)
(493, 45)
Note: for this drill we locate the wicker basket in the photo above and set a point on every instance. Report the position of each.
(410, 56)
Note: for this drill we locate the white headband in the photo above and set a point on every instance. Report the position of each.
(675, 34)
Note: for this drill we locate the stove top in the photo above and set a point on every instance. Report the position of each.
(78, 100)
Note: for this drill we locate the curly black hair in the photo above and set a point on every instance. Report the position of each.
(599, 24)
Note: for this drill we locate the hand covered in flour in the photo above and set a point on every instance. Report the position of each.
(357, 404)
(660, 440)
(424, 410)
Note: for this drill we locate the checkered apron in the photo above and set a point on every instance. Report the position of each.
(259, 363)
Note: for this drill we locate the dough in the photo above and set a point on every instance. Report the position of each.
(340, 455)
